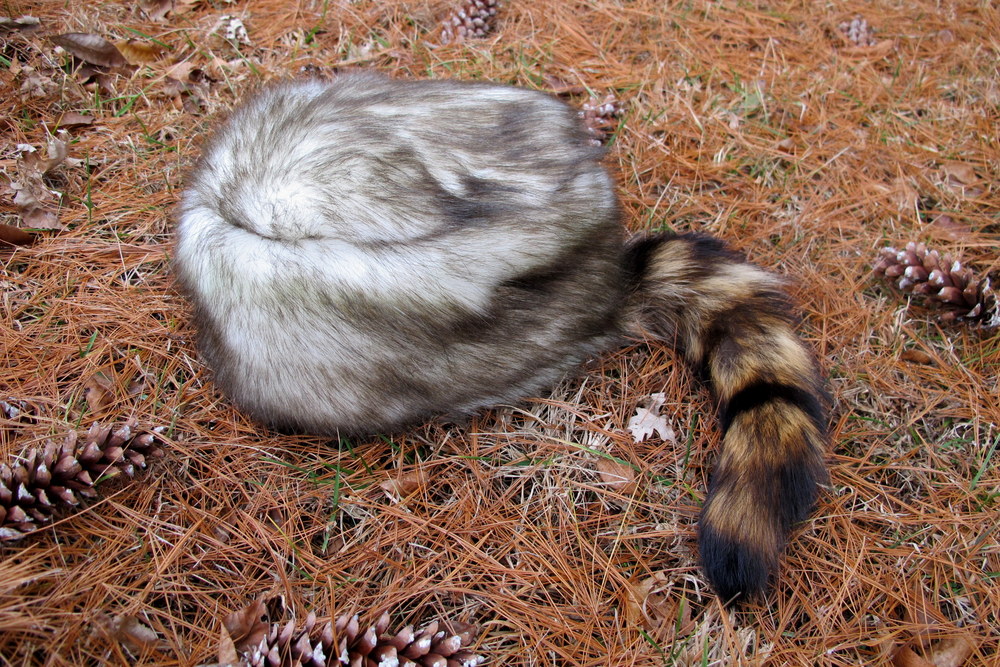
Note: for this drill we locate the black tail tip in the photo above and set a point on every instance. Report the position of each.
(738, 571)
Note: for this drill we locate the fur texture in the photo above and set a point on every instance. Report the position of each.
(368, 253)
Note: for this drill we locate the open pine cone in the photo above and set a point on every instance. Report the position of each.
(476, 18)
(12, 409)
(344, 642)
(58, 476)
(601, 117)
(858, 32)
(942, 279)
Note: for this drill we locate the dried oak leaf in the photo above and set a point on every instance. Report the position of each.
(138, 53)
(617, 476)
(56, 152)
(647, 420)
(903, 195)
(905, 657)
(947, 652)
(30, 192)
(960, 172)
(90, 48)
(945, 226)
(961, 178)
(246, 627)
(938, 644)
(36, 202)
(187, 85)
(952, 651)
(652, 605)
(99, 391)
(38, 218)
(128, 630)
(404, 485)
(34, 83)
(156, 9)
(180, 71)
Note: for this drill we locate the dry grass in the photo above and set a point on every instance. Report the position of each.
(758, 122)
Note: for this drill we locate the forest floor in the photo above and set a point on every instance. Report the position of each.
(807, 135)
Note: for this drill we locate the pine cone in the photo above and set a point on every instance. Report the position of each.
(55, 477)
(476, 18)
(858, 32)
(15, 413)
(942, 279)
(439, 644)
(601, 118)
(12, 409)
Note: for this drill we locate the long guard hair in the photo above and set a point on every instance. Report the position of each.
(365, 254)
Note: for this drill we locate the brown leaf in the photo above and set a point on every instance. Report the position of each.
(404, 484)
(104, 82)
(960, 172)
(140, 385)
(90, 48)
(56, 152)
(952, 651)
(786, 145)
(180, 71)
(651, 605)
(36, 84)
(131, 630)
(39, 218)
(905, 657)
(917, 357)
(227, 648)
(99, 391)
(945, 226)
(928, 620)
(946, 652)
(74, 119)
(138, 53)
(11, 235)
(247, 627)
(184, 6)
(32, 197)
(904, 196)
(616, 475)
(127, 630)
(638, 596)
(156, 9)
(961, 179)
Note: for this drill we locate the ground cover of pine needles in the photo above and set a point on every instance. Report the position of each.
(808, 135)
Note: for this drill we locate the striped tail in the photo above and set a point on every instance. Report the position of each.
(734, 323)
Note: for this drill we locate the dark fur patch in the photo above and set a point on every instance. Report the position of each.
(709, 253)
(638, 253)
(760, 393)
(797, 480)
(781, 496)
(736, 570)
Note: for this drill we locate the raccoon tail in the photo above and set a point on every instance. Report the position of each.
(733, 322)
